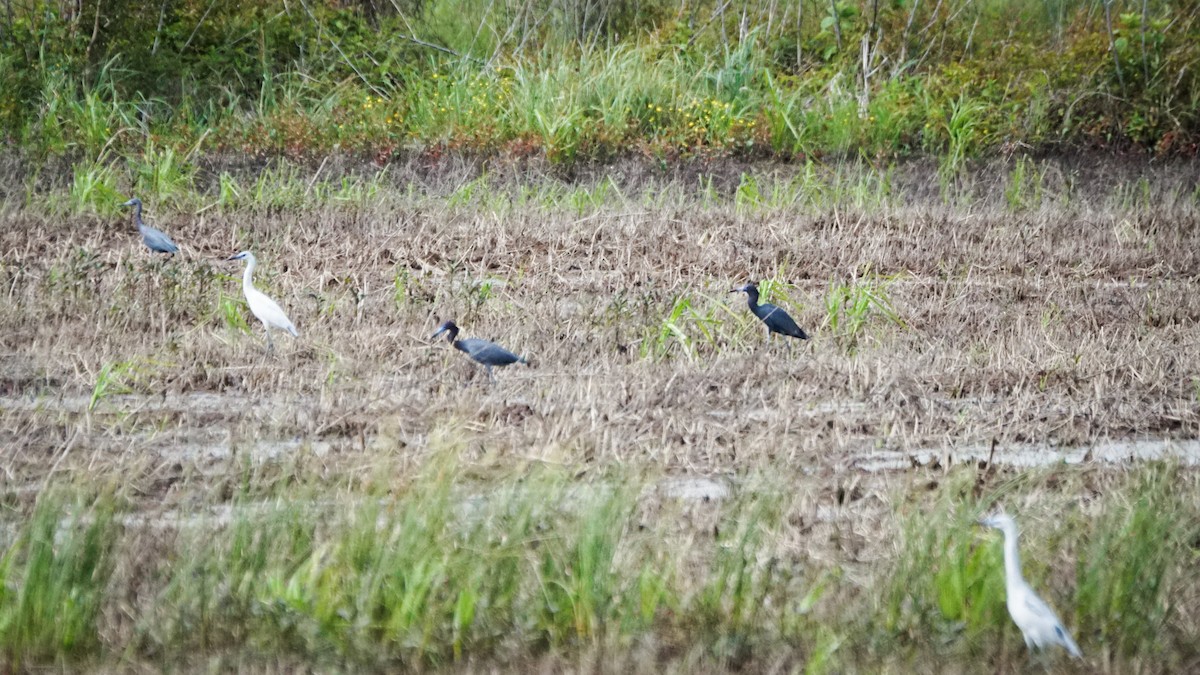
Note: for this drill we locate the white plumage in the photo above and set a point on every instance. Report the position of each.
(267, 310)
(1038, 623)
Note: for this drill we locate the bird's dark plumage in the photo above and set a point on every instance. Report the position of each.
(154, 239)
(488, 354)
(776, 319)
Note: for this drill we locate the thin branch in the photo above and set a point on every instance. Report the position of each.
(508, 33)
(439, 48)
(413, 39)
(345, 58)
(904, 38)
(483, 19)
(525, 34)
(970, 38)
(162, 15)
(9, 11)
(715, 15)
(1112, 44)
(864, 100)
(597, 30)
(1145, 63)
(799, 34)
(198, 24)
(837, 23)
(95, 32)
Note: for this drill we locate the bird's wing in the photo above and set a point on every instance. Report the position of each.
(269, 312)
(158, 240)
(1049, 619)
(1039, 608)
(1065, 638)
(474, 346)
(489, 352)
(781, 320)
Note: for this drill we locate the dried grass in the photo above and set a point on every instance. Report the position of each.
(1067, 324)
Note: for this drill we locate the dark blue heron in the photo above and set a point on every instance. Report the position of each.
(154, 239)
(481, 351)
(776, 319)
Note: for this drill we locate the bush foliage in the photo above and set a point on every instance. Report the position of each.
(589, 79)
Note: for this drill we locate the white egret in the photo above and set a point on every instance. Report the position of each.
(267, 310)
(1038, 623)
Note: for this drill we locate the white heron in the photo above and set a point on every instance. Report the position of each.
(1038, 623)
(267, 310)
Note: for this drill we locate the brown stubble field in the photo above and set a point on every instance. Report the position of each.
(1058, 325)
(1066, 325)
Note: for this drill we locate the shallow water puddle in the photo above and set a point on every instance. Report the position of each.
(1035, 455)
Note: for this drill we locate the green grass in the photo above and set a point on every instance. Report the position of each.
(953, 88)
(448, 567)
(700, 325)
(1026, 185)
(94, 188)
(444, 568)
(1106, 567)
(54, 579)
(173, 183)
(1123, 572)
(948, 585)
(672, 333)
(112, 379)
(852, 307)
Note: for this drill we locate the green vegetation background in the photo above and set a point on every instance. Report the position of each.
(587, 80)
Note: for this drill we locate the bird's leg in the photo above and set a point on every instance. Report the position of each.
(1034, 656)
(491, 375)
(270, 343)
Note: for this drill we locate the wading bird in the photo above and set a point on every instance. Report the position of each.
(153, 238)
(776, 319)
(263, 307)
(481, 351)
(1037, 621)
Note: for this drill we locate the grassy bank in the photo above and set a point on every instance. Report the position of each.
(178, 82)
(536, 566)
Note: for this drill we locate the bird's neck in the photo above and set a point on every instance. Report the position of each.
(752, 299)
(137, 214)
(248, 275)
(1012, 559)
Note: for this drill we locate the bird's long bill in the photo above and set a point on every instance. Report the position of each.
(446, 327)
(233, 257)
(129, 203)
